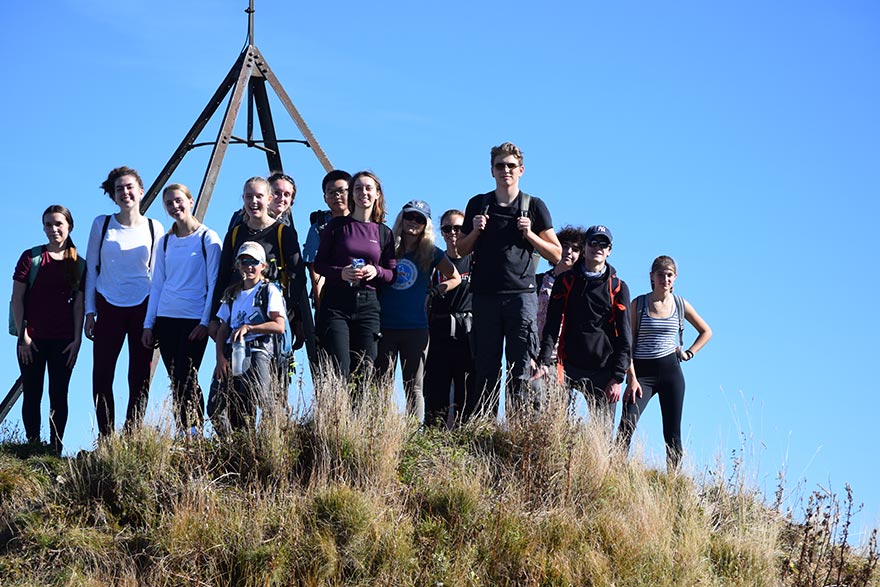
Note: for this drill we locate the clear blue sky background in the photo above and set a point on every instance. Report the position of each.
(740, 138)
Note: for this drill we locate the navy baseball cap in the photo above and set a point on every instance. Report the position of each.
(419, 206)
(598, 230)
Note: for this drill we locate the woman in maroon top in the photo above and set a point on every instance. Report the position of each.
(355, 255)
(47, 305)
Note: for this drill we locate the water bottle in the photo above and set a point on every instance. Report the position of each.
(356, 264)
(238, 357)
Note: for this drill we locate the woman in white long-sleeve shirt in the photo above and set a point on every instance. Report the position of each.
(180, 303)
(122, 248)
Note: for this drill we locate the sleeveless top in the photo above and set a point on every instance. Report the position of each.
(658, 337)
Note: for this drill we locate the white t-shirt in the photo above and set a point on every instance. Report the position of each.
(125, 262)
(246, 310)
(184, 276)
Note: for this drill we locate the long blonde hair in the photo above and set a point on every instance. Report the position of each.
(424, 254)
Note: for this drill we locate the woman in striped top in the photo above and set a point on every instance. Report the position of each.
(658, 326)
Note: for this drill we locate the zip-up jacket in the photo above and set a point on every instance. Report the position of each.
(596, 332)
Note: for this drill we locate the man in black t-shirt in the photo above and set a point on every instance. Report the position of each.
(505, 230)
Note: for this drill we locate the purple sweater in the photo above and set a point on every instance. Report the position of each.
(345, 239)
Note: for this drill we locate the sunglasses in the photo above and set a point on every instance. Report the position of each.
(451, 228)
(248, 261)
(502, 166)
(415, 217)
(599, 243)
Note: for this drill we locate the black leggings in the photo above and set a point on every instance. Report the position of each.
(449, 363)
(51, 355)
(663, 377)
(182, 358)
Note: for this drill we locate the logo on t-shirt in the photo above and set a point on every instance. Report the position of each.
(407, 272)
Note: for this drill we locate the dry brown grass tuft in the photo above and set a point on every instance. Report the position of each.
(359, 495)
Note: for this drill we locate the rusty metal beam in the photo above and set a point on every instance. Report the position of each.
(225, 134)
(267, 73)
(189, 139)
(267, 127)
(10, 399)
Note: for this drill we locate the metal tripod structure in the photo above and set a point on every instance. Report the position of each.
(249, 73)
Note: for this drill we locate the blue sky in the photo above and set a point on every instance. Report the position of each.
(740, 138)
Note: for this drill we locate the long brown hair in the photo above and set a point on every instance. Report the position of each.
(71, 271)
(378, 212)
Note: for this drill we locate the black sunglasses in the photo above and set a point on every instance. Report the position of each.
(502, 166)
(450, 228)
(599, 243)
(415, 217)
(248, 261)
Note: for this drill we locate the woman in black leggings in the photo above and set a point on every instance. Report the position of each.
(658, 347)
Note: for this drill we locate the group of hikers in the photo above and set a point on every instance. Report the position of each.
(379, 293)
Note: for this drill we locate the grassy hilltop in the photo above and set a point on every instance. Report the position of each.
(345, 497)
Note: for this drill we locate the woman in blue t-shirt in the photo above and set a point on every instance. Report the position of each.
(404, 302)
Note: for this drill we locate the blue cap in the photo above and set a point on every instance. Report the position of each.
(599, 230)
(419, 206)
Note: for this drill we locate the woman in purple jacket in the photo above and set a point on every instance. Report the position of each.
(355, 255)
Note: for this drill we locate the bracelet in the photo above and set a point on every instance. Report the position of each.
(690, 354)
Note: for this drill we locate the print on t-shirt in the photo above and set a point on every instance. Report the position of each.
(407, 273)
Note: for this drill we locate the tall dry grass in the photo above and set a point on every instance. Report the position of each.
(357, 494)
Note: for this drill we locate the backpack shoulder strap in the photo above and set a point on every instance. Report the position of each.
(524, 201)
(235, 220)
(280, 248)
(566, 281)
(234, 237)
(384, 234)
(36, 261)
(487, 201)
(679, 306)
(640, 308)
(262, 299)
(152, 240)
(616, 306)
(80, 271)
(101, 243)
(204, 246)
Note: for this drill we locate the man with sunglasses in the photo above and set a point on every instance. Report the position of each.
(506, 230)
(595, 344)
